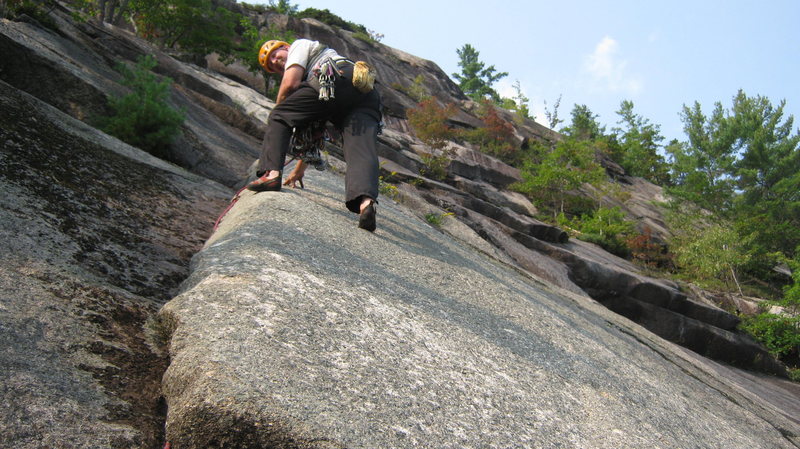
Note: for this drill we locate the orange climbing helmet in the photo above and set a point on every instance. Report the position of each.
(266, 50)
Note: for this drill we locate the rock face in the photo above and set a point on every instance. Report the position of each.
(96, 236)
(295, 329)
(74, 71)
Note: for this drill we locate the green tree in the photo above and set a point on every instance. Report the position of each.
(639, 146)
(111, 11)
(518, 103)
(710, 252)
(780, 332)
(283, 7)
(767, 174)
(584, 125)
(744, 164)
(195, 26)
(476, 79)
(143, 118)
(606, 227)
(327, 17)
(247, 47)
(553, 181)
(552, 115)
(702, 167)
(37, 9)
(522, 101)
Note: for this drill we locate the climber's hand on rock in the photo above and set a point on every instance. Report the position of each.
(296, 176)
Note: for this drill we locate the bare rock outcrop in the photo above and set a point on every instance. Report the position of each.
(96, 236)
(74, 71)
(476, 191)
(297, 329)
(485, 331)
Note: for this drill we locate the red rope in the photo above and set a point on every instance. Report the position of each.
(236, 197)
(230, 206)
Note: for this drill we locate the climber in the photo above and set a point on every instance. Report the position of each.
(320, 85)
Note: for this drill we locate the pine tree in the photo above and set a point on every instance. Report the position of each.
(639, 145)
(476, 79)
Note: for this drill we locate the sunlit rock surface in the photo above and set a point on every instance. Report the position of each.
(297, 327)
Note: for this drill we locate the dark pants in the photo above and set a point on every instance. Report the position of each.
(355, 114)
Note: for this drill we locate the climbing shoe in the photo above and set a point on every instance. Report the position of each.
(367, 219)
(263, 184)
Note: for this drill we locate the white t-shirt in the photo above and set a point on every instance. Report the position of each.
(308, 54)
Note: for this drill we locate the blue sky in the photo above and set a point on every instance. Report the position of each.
(658, 54)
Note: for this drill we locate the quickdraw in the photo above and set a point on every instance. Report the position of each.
(327, 78)
(307, 144)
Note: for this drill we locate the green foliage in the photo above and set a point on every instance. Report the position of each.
(435, 166)
(476, 79)
(435, 219)
(386, 188)
(519, 103)
(327, 17)
(552, 115)
(606, 227)
(744, 164)
(767, 174)
(111, 11)
(791, 297)
(260, 8)
(195, 26)
(702, 167)
(246, 47)
(606, 222)
(708, 248)
(584, 124)
(369, 37)
(553, 180)
(249, 44)
(508, 103)
(429, 122)
(38, 10)
(82, 10)
(639, 146)
(283, 7)
(365, 37)
(143, 118)
(375, 36)
(416, 91)
(780, 332)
